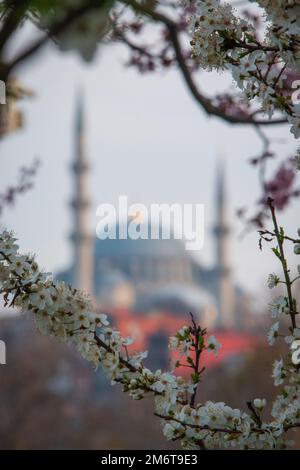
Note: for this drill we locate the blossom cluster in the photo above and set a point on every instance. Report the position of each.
(221, 426)
(282, 13)
(223, 40)
(67, 313)
(64, 312)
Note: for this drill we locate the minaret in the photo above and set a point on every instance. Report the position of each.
(225, 289)
(81, 238)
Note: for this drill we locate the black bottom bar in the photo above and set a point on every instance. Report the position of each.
(136, 459)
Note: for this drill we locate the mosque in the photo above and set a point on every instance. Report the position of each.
(150, 275)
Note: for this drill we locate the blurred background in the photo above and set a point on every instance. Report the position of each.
(101, 130)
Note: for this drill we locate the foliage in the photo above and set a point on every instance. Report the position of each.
(263, 64)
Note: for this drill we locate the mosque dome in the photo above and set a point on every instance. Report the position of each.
(127, 271)
(140, 247)
(148, 263)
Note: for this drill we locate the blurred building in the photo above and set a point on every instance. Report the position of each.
(11, 117)
(149, 274)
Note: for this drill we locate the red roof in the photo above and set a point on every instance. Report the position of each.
(142, 326)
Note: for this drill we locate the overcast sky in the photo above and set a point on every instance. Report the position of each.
(146, 138)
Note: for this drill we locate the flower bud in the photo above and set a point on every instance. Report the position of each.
(297, 249)
(259, 403)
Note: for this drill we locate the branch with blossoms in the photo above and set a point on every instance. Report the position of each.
(84, 26)
(260, 51)
(223, 40)
(66, 313)
(226, 106)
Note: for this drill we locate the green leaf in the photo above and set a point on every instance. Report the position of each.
(276, 252)
(195, 377)
(190, 360)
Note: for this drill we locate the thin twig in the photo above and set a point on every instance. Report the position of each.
(280, 241)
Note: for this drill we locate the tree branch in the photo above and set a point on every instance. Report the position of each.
(74, 14)
(288, 282)
(204, 102)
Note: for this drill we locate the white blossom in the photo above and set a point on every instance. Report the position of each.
(297, 249)
(259, 403)
(67, 313)
(273, 333)
(278, 372)
(213, 345)
(273, 280)
(278, 306)
(296, 335)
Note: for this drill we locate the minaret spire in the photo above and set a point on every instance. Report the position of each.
(225, 290)
(81, 238)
